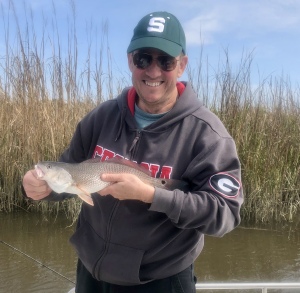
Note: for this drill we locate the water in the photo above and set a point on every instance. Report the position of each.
(252, 255)
(244, 255)
(42, 239)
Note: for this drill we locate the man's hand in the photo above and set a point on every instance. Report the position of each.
(127, 186)
(35, 188)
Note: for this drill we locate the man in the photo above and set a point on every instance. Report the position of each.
(137, 238)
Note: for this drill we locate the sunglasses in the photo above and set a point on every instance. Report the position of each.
(164, 62)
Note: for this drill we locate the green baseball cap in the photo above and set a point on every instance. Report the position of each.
(159, 30)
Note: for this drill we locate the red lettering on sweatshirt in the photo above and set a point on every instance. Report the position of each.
(153, 168)
(105, 154)
(166, 172)
(98, 151)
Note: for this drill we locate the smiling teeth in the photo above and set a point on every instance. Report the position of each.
(153, 84)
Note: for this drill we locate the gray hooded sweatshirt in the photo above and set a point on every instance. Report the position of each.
(130, 242)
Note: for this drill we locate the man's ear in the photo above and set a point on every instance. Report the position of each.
(182, 65)
(130, 62)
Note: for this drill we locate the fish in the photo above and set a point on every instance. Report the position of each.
(84, 179)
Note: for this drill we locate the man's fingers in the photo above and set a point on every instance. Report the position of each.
(112, 177)
(34, 187)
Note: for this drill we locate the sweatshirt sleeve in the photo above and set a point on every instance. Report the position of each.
(212, 206)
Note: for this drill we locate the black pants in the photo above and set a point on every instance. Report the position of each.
(183, 282)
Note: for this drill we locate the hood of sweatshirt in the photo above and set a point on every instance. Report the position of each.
(186, 104)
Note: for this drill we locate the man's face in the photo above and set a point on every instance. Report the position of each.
(155, 87)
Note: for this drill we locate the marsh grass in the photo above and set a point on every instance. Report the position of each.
(265, 123)
(43, 97)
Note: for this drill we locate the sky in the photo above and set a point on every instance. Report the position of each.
(268, 30)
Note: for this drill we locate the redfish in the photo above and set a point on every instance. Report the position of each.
(84, 178)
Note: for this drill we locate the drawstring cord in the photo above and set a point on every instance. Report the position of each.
(123, 113)
(136, 139)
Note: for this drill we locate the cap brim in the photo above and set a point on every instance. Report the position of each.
(164, 45)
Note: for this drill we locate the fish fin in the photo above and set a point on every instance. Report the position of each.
(93, 160)
(83, 194)
(121, 161)
(131, 164)
(82, 190)
(86, 198)
(117, 159)
(172, 184)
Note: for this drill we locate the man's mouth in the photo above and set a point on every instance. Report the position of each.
(153, 84)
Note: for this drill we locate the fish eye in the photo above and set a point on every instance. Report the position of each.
(48, 166)
(163, 182)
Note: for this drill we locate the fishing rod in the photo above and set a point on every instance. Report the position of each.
(35, 260)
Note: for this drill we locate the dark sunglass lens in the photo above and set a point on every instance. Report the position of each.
(167, 63)
(141, 60)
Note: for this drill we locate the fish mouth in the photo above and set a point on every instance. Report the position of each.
(39, 171)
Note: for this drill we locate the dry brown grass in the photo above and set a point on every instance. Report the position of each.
(42, 99)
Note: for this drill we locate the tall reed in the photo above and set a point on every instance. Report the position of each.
(42, 98)
(43, 95)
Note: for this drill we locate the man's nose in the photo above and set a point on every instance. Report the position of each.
(153, 70)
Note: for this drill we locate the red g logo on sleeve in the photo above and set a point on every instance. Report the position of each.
(225, 184)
